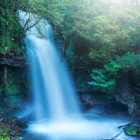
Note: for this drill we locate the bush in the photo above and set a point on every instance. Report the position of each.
(104, 80)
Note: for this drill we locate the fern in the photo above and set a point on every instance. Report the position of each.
(104, 80)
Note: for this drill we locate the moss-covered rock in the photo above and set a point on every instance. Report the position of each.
(13, 87)
(132, 130)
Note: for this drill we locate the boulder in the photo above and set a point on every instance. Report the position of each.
(132, 130)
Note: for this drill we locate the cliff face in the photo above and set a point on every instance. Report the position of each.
(127, 92)
(14, 59)
(13, 81)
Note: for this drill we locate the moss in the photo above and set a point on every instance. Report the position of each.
(13, 91)
(1, 80)
(12, 34)
(16, 82)
(131, 130)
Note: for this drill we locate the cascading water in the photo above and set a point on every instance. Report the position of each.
(54, 94)
(53, 90)
(54, 98)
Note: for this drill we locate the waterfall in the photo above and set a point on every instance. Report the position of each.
(53, 91)
(54, 98)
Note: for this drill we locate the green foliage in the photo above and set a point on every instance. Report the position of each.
(111, 27)
(1, 138)
(5, 131)
(12, 34)
(132, 130)
(110, 30)
(104, 80)
(16, 83)
(136, 77)
(129, 60)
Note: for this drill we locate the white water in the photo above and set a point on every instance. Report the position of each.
(53, 91)
(55, 107)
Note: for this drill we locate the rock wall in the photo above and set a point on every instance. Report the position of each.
(127, 94)
(13, 82)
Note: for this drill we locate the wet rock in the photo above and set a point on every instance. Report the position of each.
(60, 44)
(89, 101)
(125, 95)
(96, 111)
(16, 61)
(17, 122)
(94, 104)
(132, 130)
(86, 97)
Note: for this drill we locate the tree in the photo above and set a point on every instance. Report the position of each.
(12, 33)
